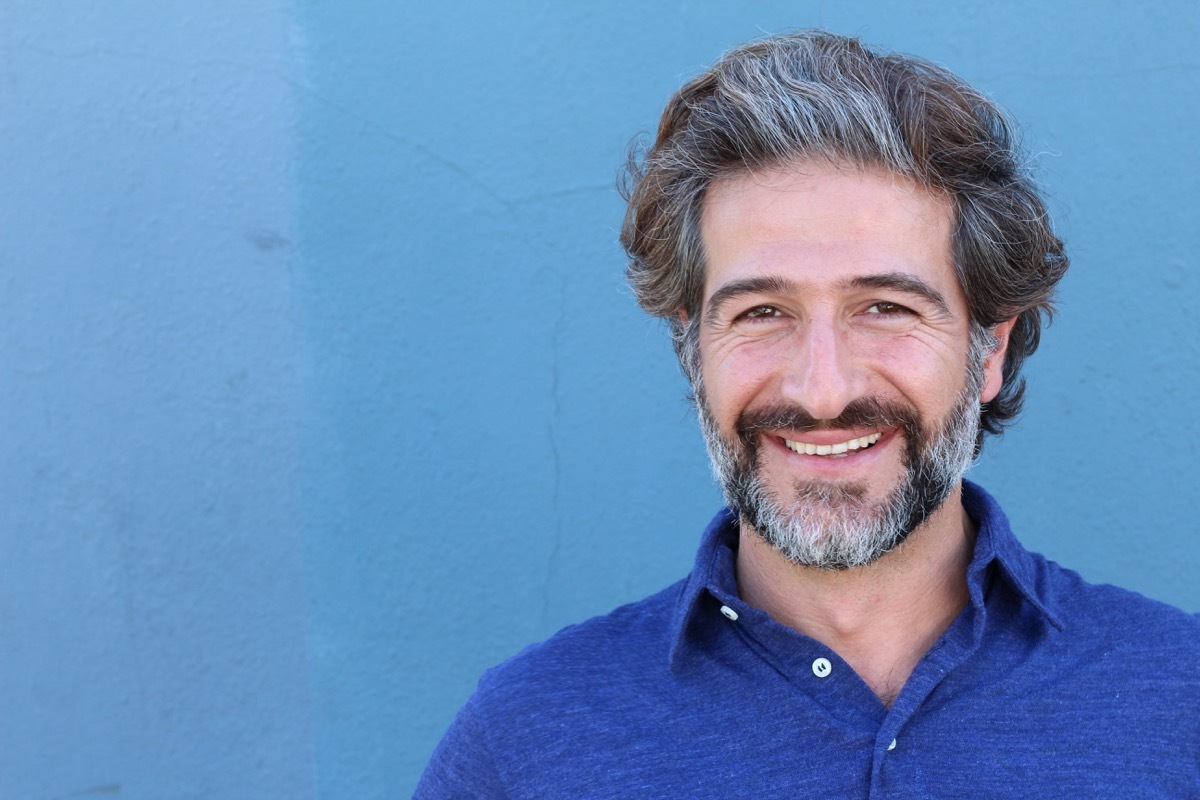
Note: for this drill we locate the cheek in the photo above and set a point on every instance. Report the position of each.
(735, 375)
(922, 369)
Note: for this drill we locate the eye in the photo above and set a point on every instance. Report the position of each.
(759, 312)
(884, 308)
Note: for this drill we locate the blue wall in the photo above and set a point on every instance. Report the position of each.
(153, 615)
(321, 391)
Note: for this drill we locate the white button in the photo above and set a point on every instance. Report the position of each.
(729, 613)
(822, 667)
(892, 746)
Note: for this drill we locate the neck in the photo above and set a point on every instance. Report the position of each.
(881, 618)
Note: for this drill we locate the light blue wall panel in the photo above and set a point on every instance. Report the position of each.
(152, 607)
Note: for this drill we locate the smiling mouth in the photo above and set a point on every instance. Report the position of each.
(841, 449)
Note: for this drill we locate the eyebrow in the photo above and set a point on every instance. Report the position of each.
(902, 282)
(769, 284)
(774, 284)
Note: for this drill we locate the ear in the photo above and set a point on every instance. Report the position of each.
(993, 364)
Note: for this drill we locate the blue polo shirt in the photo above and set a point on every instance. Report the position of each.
(1044, 686)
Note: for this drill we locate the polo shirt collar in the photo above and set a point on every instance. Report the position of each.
(713, 573)
(995, 542)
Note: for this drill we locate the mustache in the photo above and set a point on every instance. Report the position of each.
(866, 412)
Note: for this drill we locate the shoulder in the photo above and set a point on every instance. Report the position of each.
(1101, 603)
(1109, 616)
(632, 639)
(1120, 620)
(573, 690)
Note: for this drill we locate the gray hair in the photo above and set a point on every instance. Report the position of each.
(817, 96)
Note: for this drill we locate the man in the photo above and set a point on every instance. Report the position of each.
(854, 269)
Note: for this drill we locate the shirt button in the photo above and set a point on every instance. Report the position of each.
(821, 667)
(892, 746)
(729, 613)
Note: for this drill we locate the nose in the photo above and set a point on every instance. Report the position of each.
(822, 375)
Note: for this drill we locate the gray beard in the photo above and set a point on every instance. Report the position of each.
(836, 526)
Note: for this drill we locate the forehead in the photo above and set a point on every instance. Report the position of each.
(819, 223)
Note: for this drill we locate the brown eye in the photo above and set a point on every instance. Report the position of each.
(886, 308)
(760, 312)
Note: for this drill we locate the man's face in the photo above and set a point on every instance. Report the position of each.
(835, 387)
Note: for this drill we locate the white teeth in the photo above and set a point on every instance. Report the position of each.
(809, 449)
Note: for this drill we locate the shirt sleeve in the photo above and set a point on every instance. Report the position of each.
(462, 765)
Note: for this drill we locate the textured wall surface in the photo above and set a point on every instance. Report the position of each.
(153, 614)
(321, 391)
